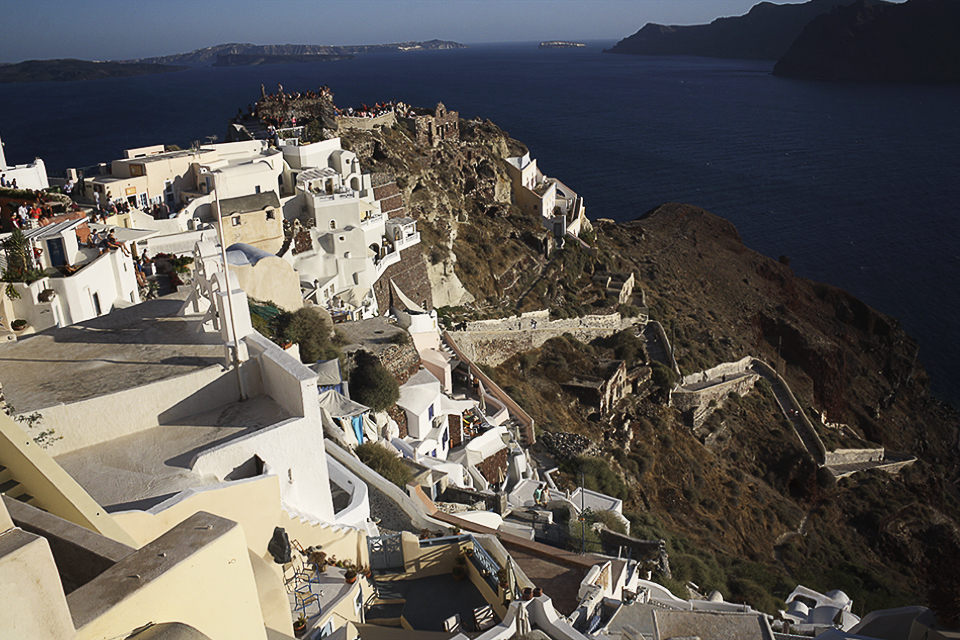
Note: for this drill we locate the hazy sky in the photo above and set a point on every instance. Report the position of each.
(119, 29)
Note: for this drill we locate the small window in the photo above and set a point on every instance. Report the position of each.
(271, 214)
(333, 225)
(431, 412)
(235, 221)
(96, 304)
(257, 189)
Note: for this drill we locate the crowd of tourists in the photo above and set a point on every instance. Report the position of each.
(377, 110)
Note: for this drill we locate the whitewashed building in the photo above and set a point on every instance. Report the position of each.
(32, 175)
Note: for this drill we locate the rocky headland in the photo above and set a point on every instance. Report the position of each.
(765, 32)
(742, 505)
(911, 42)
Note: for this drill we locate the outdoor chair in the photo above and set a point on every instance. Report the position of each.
(304, 597)
(296, 574)
(484, 618)
(452, 624)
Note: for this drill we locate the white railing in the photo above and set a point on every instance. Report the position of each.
(371, 221)
(407, 241)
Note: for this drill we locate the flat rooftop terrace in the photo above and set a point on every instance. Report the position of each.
(123, 349)
(142, 469)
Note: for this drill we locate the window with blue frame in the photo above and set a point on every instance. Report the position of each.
(431, 412)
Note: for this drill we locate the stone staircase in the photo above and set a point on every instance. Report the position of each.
(9, 486)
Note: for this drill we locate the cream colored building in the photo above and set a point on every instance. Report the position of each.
(254, 219)
(560, 208)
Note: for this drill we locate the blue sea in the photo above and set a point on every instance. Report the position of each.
(858, 184)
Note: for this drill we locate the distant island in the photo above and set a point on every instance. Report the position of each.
(70, 70)
(208, 56)
(764, 33)
(911, 42)
(560, 44)
(222, 55)
(253, 59)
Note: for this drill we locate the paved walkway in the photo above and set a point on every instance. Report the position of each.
(657, 350)
(710, 382)
(793, 413)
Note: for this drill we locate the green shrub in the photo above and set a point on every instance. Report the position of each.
(311, 331)
(610, 521)
(662, 375)
(371, 384)
(378, 458)
(597, 475)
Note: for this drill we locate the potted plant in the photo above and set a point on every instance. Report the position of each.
(318, 559)
(300, 626)
(19, 324)
(459, 571)
(350, 576)
(366, 571)
(527, 593)
(502, 578)
(537, 592)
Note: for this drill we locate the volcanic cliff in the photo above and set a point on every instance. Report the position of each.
(741, 504)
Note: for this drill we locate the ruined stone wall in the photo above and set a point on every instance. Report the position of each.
(411, 276)
(431, 130)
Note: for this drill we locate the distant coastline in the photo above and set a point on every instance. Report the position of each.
(222, 55)
(252, 59)
(208, 56)
(70, 70)
(560, 44)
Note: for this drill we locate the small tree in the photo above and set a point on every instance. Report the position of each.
(663, 376)
(311, 332)
(20, 266)
(371, 384)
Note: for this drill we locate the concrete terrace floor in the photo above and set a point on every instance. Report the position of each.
(142, 469)
(431, 600)
(125, 348)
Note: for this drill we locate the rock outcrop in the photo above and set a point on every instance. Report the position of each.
(765, 32)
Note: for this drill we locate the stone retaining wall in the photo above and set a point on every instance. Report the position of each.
(723, 369)
(386, 120)
(696, 403)
(490, 342)
(541, 319)
(853, 456)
